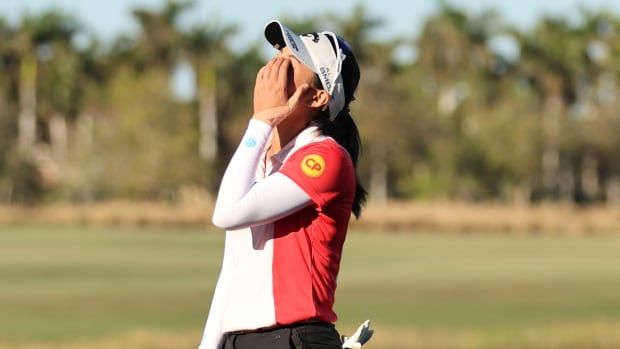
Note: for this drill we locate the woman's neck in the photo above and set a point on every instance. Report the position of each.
(284, 133)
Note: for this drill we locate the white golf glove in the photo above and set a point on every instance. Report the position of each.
(359, 338)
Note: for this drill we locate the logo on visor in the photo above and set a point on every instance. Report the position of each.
(313, 165)
(290, 38)
(325, 75)
(315, 37)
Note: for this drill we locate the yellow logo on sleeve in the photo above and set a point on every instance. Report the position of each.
(313, 165)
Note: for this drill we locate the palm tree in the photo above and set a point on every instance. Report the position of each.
(383, 110)
(206, 48)
(550, 59)
(451, 46)
(9, 91)
(25, 45)
(59, 73)
(453, 65)
(357, 28)
(375, 62)
(160, 39)
(94, 69)
(40, 45)
(596, 156)
(163, 44)
(44, 41)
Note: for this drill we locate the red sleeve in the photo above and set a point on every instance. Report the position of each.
(322, 169)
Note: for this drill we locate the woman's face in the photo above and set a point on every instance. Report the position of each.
(298, 73)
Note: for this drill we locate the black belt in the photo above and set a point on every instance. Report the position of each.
(296, 335)
(276, 327)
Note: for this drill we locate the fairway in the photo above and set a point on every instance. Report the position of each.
(83, 287)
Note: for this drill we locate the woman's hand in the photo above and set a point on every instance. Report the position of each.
(271, 102)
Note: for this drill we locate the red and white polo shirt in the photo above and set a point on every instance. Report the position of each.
(287, 220)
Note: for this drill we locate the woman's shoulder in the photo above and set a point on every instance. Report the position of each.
(326, 146)
(323, 161)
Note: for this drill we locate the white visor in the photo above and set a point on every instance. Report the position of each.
(315, 51)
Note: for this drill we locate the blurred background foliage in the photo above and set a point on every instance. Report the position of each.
(472, 109)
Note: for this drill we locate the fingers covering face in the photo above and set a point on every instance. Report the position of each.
(261, 73)
(268, 68)
(276, 70)
(283, 71)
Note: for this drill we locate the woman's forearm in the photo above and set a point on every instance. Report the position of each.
(241, 171)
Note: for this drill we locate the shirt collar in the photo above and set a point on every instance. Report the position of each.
(306, 136)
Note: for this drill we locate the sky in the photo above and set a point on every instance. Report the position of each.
(109, 18)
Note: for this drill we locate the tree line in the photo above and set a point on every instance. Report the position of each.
(479, 111)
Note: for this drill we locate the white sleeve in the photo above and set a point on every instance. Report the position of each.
(241, 202)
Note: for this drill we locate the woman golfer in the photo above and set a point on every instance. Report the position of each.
(286, 198)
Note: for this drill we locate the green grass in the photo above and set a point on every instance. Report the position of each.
(61, 284)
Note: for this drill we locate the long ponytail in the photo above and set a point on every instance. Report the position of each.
(344, 131)
(343, 128)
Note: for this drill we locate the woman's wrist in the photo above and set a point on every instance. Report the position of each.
(263, 121)
(270, 116)
(263, 125)
(257, 134)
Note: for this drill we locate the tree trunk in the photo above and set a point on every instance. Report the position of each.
(58, 138)
(27, 103)
(522, 193)
(566, 186)
(84, 132)
(378, 176)
(551, 155)
(612, 190)
(447, 101)
(81, 150)
(589, 177)
(207, 113)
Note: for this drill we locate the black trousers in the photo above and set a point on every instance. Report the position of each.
(314, 335)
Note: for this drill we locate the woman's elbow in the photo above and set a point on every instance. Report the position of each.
(220, 221)
(225, 220)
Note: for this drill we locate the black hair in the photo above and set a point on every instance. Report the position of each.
(343, 128)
